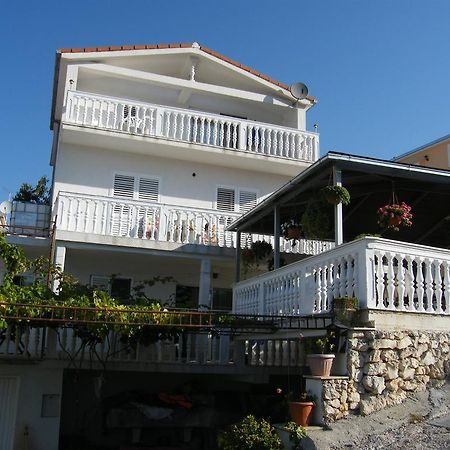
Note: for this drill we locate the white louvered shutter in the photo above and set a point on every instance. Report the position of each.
(123, 188)
(148, 189)
(225, 199)
(101, 283)
(247, 201)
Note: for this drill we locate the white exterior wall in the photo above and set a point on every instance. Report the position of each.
(91, 170)
(34, 383)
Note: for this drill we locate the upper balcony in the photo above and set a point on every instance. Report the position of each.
(260, 141)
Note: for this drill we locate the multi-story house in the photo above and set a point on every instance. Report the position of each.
(156, 150)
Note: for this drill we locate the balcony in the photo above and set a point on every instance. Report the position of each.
(384, 275)
(193, 127)
(156, 222)
(193, 352)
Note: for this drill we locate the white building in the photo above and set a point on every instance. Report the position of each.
(156, 150)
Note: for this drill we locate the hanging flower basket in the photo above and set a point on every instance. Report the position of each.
(258, 254)
(394, 216)
(336, 195)
(291, 230)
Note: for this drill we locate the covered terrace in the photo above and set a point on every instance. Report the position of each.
(405, 270)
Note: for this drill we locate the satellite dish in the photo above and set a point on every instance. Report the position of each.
(299, 90)
(5, 207)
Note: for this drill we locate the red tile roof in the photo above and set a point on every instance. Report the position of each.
(164, 46)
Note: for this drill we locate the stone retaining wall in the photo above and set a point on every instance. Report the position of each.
(383, 368)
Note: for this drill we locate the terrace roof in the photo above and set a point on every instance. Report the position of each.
(372, 183)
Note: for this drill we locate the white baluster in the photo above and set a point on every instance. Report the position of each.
(400, 282)
(380, 282)
(438, 283)
(429, 285)
(202, 130)
(420, 291)
(409, 283)
(195, 128)
(227, 134)
(446, 278)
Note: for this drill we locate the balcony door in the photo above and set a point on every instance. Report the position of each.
(133, 218)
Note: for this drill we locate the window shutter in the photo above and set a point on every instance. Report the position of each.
(225, 199)
(148, 189)
(247, 201)
(123, 186)
(101, 283)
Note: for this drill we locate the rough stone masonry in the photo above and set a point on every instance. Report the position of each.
(383, 368)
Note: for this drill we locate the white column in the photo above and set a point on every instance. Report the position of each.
(276, 236)
(59, 260)
(204, 298)
(238, 256)
(338, 219)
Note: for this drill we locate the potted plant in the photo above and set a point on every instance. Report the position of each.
(250, 434)
(320, 360)
(336, 194)
(301, 409)
(291, 435)
(345, 309)
(393, 216)
(258, 253)
(291, 230)
(316, 219)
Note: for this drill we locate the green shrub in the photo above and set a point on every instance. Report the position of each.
(250, 434)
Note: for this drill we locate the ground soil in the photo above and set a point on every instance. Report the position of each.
(421, 422)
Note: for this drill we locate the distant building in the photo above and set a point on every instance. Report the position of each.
(433, 154)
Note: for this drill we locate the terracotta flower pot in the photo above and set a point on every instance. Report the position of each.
(293, 233)
(320, 365)
(332, 198)
(301, 412)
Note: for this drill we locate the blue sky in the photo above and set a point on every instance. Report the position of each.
(380, 69)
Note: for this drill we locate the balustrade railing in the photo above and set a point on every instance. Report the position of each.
(190, 126)
(111, 216)
(193, 349)
(27, 342)
(383, 274)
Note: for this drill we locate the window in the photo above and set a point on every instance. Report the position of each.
(124, 216)
(186, 297)
(23, 280)
(247, 201)
(134, 187)
(222, 299)
(118, 288)
(226, 200)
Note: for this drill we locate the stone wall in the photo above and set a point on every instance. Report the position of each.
(383, 368)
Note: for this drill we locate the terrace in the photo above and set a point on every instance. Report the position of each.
(402, 271)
